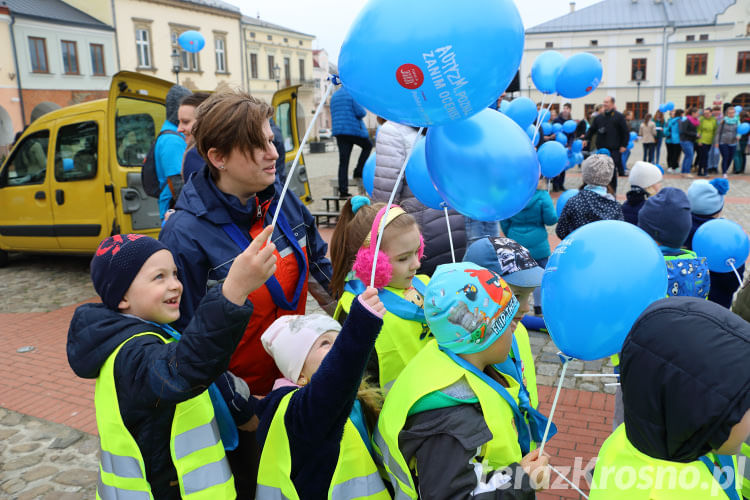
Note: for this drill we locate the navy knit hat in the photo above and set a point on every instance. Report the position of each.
(116, 263)
(666, 217)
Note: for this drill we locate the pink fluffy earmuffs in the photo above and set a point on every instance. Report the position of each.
(366, 255)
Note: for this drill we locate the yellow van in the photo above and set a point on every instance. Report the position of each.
(290, 118)
(74, 176)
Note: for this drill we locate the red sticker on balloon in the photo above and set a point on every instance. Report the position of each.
(410, 76)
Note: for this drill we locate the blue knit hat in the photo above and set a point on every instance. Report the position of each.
(468, 307)
(666, 217)
(116, 263)
(707, 197)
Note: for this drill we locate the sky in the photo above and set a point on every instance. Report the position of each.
(329, 20)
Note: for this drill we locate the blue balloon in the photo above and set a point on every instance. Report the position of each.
(577, 159)
(561, 138)
(603, 151)
(633, 136)
(484, 167)
(577, 146)
(721, 241)
(580, 75)
(569, 126)
(589, 304)
(435, 63)
(556, 127)
(368, 174)
(545, 69)
(546, 128)
(504, 105)
(191, 41)
(543, 116)
(630, 145)
(533, 134)
(737, 110)
(663, 108)
(419, 180)
(552, 158)
(563, 199)
(743, 129)
(670, 106)
(522, 111)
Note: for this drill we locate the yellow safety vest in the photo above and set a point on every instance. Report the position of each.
(399, 339)
(195, 446)
(744, 461)
(623, 472)
(355, 476)
(432, 370)
(527, 357)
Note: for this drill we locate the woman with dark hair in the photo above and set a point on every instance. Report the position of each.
(672, 139)
(660, 123)
(648, 137)
(688, 136)
(191, 161)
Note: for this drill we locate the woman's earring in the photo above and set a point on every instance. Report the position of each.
(220, 167)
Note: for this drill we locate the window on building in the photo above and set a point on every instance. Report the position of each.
(588, 110)
(271, 64)
(300, 42)
(286, 40)
(175, 37)
(637, 65)
(704, 36)
(639, 109)
(190, 61)
(253, 65)
(689, 38)
(302, 70)
(252, 34)
(695, 101)
(743, 62)
(269, 38)
(742, 100)
(639, 41)
(143, 47)
(76, 151)
(70, 57)
(38, 55)
(287, 71)
(696, 64)
(594, 43)
(549, 45)
(221, 55)
(97, 59)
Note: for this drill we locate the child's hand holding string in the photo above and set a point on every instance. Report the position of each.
(369, 298)
(251, 268)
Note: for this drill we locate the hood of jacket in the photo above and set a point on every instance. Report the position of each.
(685, 378)
(636, 196)
(94, 333)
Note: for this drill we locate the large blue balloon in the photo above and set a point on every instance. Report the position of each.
(435, 63)
(577, 146)
(368, 174)
(191, 41)
(561, 138)
(569, 126)
(484, 167)
(545, 69)
(552, 158)
(522, 111)
(743, 129)
(580, 75)
(721, 241)
(419, 180)
(589, 304)
(563, 199)
(670, 106)
(556, 127)
(546, 128)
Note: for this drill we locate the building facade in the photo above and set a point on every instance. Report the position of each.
(691, 52)
(322, 69)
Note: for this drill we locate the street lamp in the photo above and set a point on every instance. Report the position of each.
(638, 79)
(176, 64)
(528, 84)
(277, 75)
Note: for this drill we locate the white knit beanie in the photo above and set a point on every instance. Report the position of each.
(644, 174)
(289, 339)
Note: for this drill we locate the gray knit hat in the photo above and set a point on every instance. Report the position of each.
(597, 170)
(174, 97)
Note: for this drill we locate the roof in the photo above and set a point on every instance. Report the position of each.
(54, 11)
(215, 4)
(254, 21)
(630, 14)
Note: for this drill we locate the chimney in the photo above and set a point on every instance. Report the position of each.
(572, 6)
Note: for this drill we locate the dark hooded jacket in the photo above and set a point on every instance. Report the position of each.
(584, 208)
(685, 378)
(636, 197)
(152, 377)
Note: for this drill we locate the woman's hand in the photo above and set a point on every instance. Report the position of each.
(251, 268)
(537, 467)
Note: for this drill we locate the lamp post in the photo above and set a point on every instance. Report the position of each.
(528, 84)
(638, 79)
(277, 75)
(176, 65)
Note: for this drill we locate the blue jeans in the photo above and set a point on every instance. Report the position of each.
(727, 155)
(713, 159)
(625, 156)
(687, 162)
(649, 148)
(477, 229)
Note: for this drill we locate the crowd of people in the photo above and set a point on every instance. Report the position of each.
(213, 382)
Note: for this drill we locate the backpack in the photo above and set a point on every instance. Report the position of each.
(688, 275)
(149, 179)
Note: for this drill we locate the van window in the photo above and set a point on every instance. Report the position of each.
(28, 165)
(136, 125)
(76, 151)
(284, 122)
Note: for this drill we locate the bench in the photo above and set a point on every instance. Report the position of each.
(325, 218)
(336, 203)
(352, 183)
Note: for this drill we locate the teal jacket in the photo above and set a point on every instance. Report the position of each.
(527, 227)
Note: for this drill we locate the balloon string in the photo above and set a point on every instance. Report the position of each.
(388, 206)
(538, 119)
(450, 236)
(569, 482)
(299, 151)
(554, 405)
(739, 278)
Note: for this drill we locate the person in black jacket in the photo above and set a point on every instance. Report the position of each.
(611, 132)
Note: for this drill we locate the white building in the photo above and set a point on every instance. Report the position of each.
(691, 52)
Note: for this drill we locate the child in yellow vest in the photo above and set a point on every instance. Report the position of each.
(157, 424)
(401, 289)
(686, 391)
(450, 425)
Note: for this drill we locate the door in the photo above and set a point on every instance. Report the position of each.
(25, 211)
(80, 212)
(291, 120)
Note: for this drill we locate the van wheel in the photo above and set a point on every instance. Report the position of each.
(3, 258)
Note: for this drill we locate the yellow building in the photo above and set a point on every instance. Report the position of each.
(10, 102)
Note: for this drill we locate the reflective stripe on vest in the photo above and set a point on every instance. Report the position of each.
(413, 384)
(195, 446)
(743, 465)
(355, 476)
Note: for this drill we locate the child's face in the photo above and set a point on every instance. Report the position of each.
(402, 249)
(740, 433)
(317, 353)
(501, 348)
(155, 292)
(522, 294)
